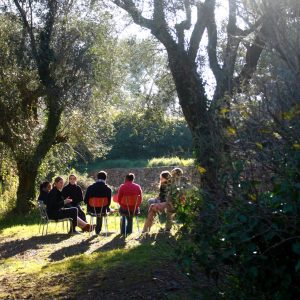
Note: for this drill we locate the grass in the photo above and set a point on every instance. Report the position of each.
(170, 162)
(139, 163)
(57, 266)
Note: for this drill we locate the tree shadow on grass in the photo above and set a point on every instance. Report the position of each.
(11, 219)
(72, 250)
(146, 271)
(118, 242)
(16, 247)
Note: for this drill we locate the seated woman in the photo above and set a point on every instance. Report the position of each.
(164, 182)
(45, 188)
(56, 209)
(167, 205)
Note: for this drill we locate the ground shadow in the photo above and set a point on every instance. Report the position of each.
(147, 271)
(16, 247)
(11, 219)
(118, 242)
(72, 250)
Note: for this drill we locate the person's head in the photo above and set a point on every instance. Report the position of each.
(102, 175)
(45, 186)
(165, 176)
(176, 173)
(58, 183)
(72, 179)
(129, 177)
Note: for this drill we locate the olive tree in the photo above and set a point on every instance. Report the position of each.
(46, 67)
(233, 52)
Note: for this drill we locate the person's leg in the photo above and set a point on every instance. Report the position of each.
(170, 217)
(153, 201)
(81, 213)
(99, 225)
(71, 213)
(122, 224)
(129, 224)
(153, 210)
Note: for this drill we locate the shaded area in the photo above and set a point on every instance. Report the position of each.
(146, 271)
(72, 250)
(11, 219)
(19, 247)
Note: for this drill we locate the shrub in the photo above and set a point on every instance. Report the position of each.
(170, 161)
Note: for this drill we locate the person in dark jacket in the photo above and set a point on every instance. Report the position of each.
(56, 209)
(74, 191)
(98, 189)
(45, 188)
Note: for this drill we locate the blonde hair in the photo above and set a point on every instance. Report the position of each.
(176, 172)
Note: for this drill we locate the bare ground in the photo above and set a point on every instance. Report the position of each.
(151, 277)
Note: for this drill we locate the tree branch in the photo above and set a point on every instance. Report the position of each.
(29, 29)
(212, 46)
(136, 15)
(184, 25)
(203, 12)
(252, 56)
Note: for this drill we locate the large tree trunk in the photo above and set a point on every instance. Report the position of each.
(28, 167)
(207, 138)
(27, 171)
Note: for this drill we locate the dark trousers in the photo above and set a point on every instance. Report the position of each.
(126, 224)
(64, 213)
(98, 224)
(81, 213)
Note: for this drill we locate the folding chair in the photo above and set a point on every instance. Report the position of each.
(132, 202)
(44, 221)
(99, 203)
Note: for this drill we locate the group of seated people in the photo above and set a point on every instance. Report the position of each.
(64, 201)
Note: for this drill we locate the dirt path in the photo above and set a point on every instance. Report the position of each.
(59, 266)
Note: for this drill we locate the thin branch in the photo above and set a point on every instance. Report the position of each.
(136, 15)
(185, 24)
(212, 46)
(29, 29)
(203, 13)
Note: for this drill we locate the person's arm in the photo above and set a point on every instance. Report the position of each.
(109, 196)
(80, 194)
(120, 194)
(65, 192)
(141, 196)
(87, 196)
(54, 201)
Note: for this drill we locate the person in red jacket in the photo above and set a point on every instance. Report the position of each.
(129, 208)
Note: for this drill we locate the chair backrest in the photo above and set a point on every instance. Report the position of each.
(43, 211)
(98, 202)
(131, 202)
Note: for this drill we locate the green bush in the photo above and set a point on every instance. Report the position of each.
(251, 246)
(170, 161)
(8, 186)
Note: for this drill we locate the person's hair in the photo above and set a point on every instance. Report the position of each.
(129, 177)
(102, 175)
(176, 172)
(57, 180)
(43, 185)
(72, 175)
(166, 175)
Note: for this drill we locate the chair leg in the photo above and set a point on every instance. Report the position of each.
(137, 224)
(43, 228)
(92, 223)
(47, 228)
(106, 226)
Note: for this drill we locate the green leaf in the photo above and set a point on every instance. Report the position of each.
(296, 248)
(297, 267)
